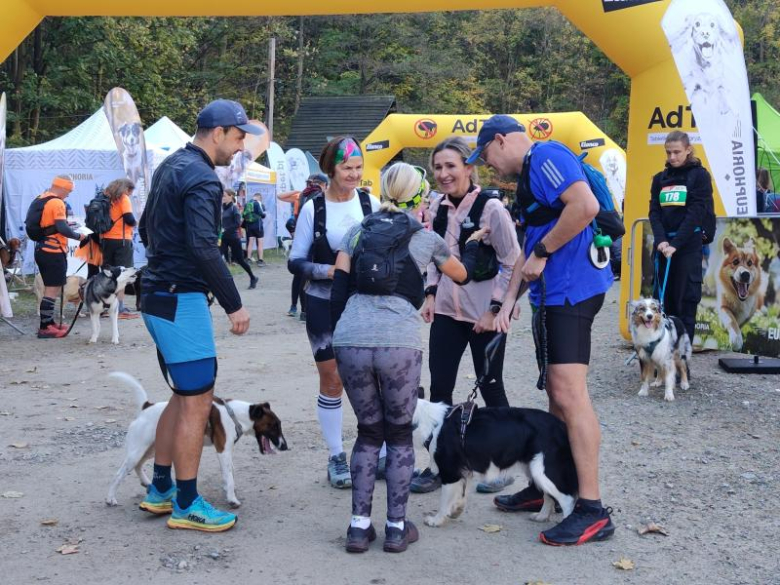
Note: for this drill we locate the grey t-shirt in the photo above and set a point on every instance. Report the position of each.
(386, 320)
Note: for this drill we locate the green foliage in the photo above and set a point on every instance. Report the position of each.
(530, 60)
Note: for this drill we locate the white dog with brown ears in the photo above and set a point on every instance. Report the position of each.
(662, 345)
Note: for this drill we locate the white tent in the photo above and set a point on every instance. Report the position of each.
(165, 135)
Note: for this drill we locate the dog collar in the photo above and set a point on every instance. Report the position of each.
(650, 347)
(239, 428)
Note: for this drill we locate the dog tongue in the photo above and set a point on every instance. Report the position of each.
(648, 324)
(267, 446)
(742, 290)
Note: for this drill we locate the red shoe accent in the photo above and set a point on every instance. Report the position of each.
(592, 531)
(51, 331)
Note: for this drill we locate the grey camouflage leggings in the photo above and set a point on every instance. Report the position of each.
(381, 383)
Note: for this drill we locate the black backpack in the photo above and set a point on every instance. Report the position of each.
(382, 263)
(98, 217)
(486, 266)
(321, 251)
(32, 222)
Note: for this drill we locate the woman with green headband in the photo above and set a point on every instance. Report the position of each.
(378, 345)
(321, 225)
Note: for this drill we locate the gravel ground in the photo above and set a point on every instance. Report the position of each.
(702, 467)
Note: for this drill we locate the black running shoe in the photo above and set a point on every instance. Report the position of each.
(528, 500)
(579, 527)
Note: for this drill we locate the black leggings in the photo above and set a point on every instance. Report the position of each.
(448, 342)
(295, 291)
(236, 251)
(683, 287)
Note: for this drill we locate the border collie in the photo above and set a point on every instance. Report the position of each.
(496, 439)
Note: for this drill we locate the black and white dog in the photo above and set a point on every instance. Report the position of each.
(100, 294)
(229, 420)
(132, 156)
(662, 345)
(496, 440)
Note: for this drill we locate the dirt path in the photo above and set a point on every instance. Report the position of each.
(705, 467)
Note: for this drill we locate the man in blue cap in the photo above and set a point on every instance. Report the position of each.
(557, 208)
(180, 227)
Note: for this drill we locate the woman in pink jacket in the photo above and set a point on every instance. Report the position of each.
(463, 315)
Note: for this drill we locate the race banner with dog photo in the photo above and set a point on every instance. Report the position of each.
(128, 134)
(707, 51)
(740, 304)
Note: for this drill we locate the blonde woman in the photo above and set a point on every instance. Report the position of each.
(377, 343)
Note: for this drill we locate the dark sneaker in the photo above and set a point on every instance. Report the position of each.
(579, 527)
(339, 475)
(293, 311)
(302, 316)
(358, 539)
(528, 500)
(253, 280)
(424, 482)
(397, 540)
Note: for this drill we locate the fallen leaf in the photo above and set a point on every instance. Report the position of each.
(68, 418)
(4, 413)
(49, 522)
(104, 407)
(19, 445)
(635, 443)
(74, 405)
(68, 549)
(18, 382)
(652, 527)
(32, 370)
(536, 583)
(470, 376)
(13, 494)
(624, 564)
(490, 528)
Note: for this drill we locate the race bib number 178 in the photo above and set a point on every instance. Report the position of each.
(673, 195)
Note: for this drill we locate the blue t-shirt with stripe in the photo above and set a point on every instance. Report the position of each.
(569, 275)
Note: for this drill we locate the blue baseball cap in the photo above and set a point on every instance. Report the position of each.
(226, 113)
(498, 124)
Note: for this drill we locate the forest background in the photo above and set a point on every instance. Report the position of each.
(529, 60)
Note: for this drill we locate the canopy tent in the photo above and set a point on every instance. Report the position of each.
(165, 135)
(262, 180)
(768, 151)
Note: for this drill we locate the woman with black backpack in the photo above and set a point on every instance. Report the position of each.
(231, 235)
(378, 345)
(462, 316)
(680, 201)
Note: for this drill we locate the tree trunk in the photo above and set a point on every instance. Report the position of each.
(39, 66)
(299, 79)
(18, 68)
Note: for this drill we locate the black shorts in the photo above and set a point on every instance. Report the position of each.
(53, 267)
(568, 330)
(318, 328)
(255, 232)
(117, 252)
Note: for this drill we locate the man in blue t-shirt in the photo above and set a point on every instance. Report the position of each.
(570, 290)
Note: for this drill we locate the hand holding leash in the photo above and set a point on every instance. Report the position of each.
(239, 321)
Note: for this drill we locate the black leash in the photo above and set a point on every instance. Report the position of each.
(539, 330)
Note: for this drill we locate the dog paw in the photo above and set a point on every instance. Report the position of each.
(111, 502)
(115, 341)
(642, 391)
(92, 340)
(234, 503)
(669, 397)
(539, 517)
(684, 385)
(433, 521)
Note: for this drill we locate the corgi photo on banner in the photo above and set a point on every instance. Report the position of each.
(662, 345)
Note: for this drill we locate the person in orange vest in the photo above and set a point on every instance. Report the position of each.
(51, 253)
(117, 242)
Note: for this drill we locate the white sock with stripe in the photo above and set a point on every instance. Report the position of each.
(330, 415)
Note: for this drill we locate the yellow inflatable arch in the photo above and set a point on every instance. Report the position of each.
(628, 31)
(573, 129)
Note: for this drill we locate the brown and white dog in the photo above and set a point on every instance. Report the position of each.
(223, 431)
(662, 345)
(738, 288)
(9, 251)
(71, 293)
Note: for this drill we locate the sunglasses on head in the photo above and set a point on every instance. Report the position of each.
(417, 199)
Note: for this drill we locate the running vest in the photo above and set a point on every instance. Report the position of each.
(382, 264)
(321, 252)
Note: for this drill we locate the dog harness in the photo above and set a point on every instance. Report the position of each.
(239, 428)
(650, 347)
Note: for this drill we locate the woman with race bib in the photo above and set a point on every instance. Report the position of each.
(679, 198)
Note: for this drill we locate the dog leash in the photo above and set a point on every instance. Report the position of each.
(662, 291)
(539, 330)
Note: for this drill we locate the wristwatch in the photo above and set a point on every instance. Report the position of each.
(495, 307)
(540, 250)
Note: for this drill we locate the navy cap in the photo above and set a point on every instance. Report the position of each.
(498, 124)
(226, 113)
(319, 177)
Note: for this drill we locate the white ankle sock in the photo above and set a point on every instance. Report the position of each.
(399, 525)
(361, 522)
(330, 414)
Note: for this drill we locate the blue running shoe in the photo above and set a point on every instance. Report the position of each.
(201, 516)
(158, 503)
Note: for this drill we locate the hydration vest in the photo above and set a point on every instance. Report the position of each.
(382, 264)
(321, 252)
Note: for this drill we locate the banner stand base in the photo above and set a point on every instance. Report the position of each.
(756, 365)
(11, 325)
